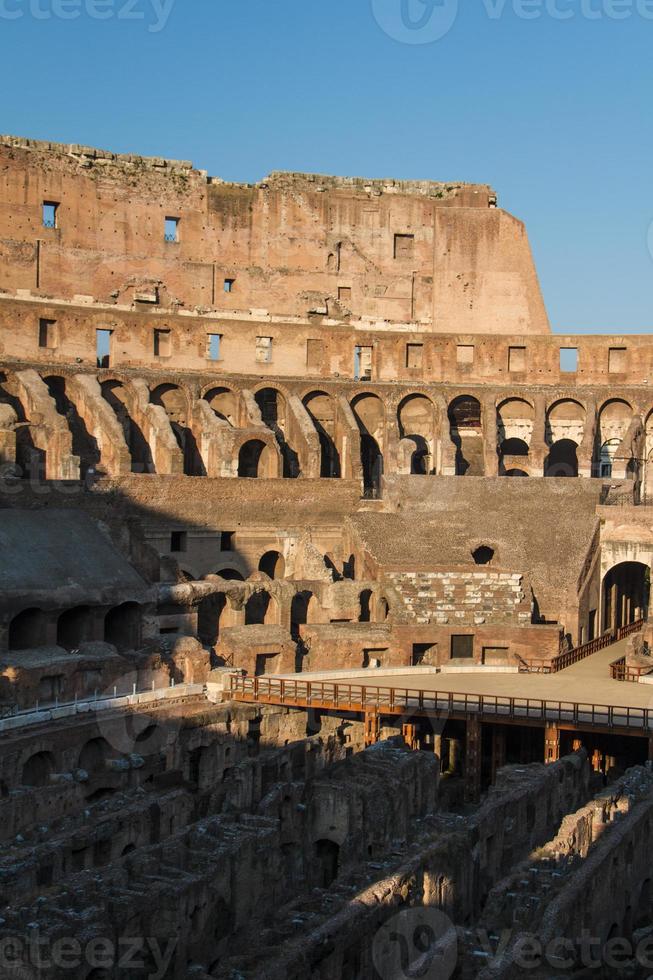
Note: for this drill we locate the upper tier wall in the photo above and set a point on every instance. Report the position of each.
(434, 254)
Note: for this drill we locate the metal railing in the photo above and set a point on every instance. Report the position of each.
(11, 717)
(389, 700)
(540, 666)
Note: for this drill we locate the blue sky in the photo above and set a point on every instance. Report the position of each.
(554, 113)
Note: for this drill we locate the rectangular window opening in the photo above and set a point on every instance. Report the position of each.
(171, 229)
(213, 346)
(617, 360)
(103, 347)
(516, 358)
(162, 343)
(48, 333)
(568, 360)
(465, 353)
(264, 350)
(229, 285)
(49, 214)
(227, 541)
(414, 355)
(363, 364)
(404, 246)
(178, 541)
(462, 647)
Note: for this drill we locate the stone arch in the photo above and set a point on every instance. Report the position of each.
(625, 594)
(176, 403)
(209, 613)
(416, 421)
(84, 443)
(119, 398)
(272, 564)
(466, 433)
(321, 409)
(37, 769)
(274, 409)
(93, 755)
(231, 574)
(224, 403)
(302, 610)
(515, 421)
(74, 626)
(28, 629)
(255, 460)
(122, 626)
(370, 417)
(614, 419)
(562, 459)
(261, 608)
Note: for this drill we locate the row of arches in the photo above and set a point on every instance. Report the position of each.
(33, 627)
(433, 436)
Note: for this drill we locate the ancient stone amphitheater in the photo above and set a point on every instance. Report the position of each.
(298, 681)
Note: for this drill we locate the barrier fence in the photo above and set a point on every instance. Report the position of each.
(390, 700)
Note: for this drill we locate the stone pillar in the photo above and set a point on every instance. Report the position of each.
(473, 760)
(551, 744)
(498, 750)
(372, 728)
(490, 453)
(455, 755)
(409, 733)
(437, 748)
(538, 448)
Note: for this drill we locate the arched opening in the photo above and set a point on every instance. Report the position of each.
(93, 756)
(261, 609)
(122, 626)
(321, 409)
(383, 610)
(626, 590)
(231, 575)
(515, 472)
(515, 419)
(370, 418)
(564, 431)
(84, 443)
(272, 564)
(249, 458)
(562, 459)
(327, 858)
(171, 398)
(364, 614)
(37, 769)
(224, 403)
(300, 609)
(116, 394)
(209, 612)
(416, 420)
(28, 630)
(274, 410)
(611, 456)
(466, 433)
(74, 627)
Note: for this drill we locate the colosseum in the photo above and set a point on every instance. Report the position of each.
(298, 681)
